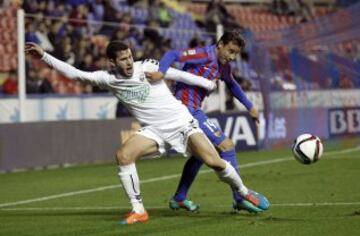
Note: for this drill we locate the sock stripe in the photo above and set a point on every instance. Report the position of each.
(133, 184)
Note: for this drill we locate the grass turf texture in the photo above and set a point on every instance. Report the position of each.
(286, 183)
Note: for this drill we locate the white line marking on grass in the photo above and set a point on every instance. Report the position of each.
(83, 192)
(342, 151)
(96, 208)
(92, 190)
(101, 208)
(315, 204)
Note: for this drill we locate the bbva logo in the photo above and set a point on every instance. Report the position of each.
(237, 129)
(344, 121)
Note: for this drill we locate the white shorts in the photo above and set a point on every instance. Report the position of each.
(172, 136)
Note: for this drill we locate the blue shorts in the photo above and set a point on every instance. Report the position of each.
(211, 130)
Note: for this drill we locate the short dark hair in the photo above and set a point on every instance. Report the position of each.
(232, 36)
(114, 47)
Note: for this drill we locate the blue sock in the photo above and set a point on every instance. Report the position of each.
(230, 156)
(189, 173)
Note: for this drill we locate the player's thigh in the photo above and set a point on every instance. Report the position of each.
(135, 147)
(201, 148)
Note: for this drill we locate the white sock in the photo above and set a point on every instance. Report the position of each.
(131, 184)
(230, 176)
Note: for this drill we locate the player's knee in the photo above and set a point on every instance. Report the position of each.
(123, 157)
(226, 145)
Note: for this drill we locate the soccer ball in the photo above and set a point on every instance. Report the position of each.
(307, 148)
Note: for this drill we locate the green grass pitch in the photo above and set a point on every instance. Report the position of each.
(319, 199)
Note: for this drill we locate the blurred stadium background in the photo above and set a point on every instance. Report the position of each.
(300, 68)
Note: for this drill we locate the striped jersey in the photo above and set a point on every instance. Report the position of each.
(203, 62)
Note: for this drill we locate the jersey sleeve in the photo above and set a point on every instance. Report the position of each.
(235, 87)
(192, 56)
(190, 79)
(98, 78)
(150, 65)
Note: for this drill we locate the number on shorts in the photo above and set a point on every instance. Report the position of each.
(211, 125)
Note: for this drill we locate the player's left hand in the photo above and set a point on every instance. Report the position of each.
(253, 112)
(34, 49)
(154, 76)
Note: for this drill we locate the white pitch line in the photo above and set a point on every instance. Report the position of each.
(92, 190)
(315, 204)
(101, 208)
(96, 208)
(342, 151)
(82, 192)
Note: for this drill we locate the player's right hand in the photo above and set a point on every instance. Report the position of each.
(34, 49)
(154, 76)
(213, 86)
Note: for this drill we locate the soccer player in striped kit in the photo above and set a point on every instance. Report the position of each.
(211, 62)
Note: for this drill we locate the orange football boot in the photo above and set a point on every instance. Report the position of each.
(133, 217)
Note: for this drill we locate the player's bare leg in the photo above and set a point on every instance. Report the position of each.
(201, 147)
(134, 148)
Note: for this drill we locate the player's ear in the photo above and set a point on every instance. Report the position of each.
(112, 62)
(220, 44)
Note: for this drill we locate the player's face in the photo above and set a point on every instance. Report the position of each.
(124, 62)
(227, 52)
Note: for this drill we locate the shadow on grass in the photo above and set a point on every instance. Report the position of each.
(153, 212)
(162, 221)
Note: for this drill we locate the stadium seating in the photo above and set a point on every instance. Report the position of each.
(183, 28)
(8, 39)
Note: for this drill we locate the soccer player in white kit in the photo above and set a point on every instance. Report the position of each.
(164, 119)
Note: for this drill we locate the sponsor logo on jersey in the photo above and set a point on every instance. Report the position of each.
(189, 52)
(134, 94)
(192, 52)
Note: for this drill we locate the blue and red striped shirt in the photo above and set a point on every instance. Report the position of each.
(202, 62)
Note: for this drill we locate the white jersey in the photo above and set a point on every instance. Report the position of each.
(151, 104)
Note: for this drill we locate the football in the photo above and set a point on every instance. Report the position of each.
(307, 148)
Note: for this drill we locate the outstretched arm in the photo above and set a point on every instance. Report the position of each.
(191, 79)
(151, 65)
(192, 56)
(95, 78)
